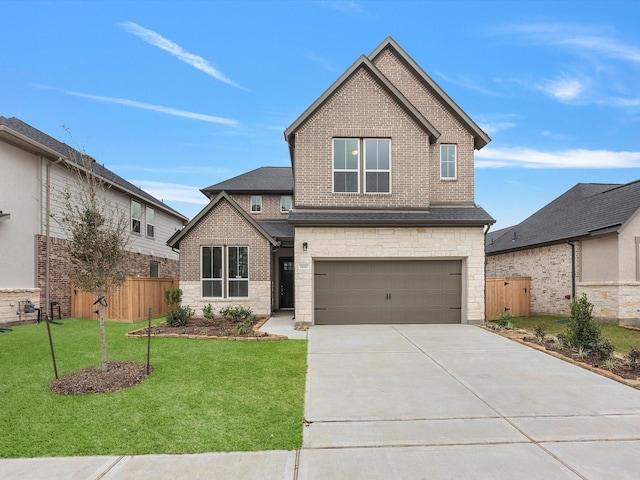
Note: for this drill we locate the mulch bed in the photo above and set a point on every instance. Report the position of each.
(200, 327)
(120, 375)
(620, 370)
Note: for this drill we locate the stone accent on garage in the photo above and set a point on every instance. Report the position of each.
(380, 243)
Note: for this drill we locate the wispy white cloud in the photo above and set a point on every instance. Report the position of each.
(563, 88)
(468, 83)
(345, 6)
(320, 61)
(172, 192)
(493, 123)
(181, 170)
(576, 158)
(145, 106)
(157, 40)
(579, 39)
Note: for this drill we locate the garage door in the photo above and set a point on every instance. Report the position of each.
(398, 291)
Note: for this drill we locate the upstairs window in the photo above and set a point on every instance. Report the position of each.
(285, 203)
(448, 161)
(136, 216)
(150, 217)
(348, 162)
(256, 203)
(377, 162)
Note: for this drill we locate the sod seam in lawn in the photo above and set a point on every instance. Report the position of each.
(203, 395)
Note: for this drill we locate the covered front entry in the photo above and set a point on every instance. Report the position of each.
(387, 291)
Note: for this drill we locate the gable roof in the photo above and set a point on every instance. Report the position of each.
(174, 241)
(364, 63)
(275, 180)
(23, 135)
(479, 136)
(587, 209)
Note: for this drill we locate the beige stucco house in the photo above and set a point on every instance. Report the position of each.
(379, 224)
(585, 241)
(36, 169)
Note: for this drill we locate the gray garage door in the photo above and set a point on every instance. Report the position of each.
(398, 291)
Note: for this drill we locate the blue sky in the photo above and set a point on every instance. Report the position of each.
(176, 96)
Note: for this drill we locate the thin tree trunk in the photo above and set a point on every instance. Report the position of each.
(103, 333)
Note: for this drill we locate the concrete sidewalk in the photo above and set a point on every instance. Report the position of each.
(407, 402)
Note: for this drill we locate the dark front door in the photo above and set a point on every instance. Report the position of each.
(286, 282)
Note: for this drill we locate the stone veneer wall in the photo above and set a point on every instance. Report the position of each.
(380, 243)
(60, 283)
(550, 271)
(616, 302)
(9, 298)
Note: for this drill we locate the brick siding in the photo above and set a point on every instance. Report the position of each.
(60, 282)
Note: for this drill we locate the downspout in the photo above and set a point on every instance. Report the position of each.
(573, 268)
(47, 267)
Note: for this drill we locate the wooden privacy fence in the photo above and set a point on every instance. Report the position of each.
(510, 294)
(129, 304)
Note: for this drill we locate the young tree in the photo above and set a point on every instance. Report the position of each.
(97, 230)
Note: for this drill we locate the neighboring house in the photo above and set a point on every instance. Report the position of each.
(585, 241)
(385, 225)
(36, 169)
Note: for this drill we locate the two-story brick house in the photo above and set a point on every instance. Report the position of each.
(35, 171)
(386, 228)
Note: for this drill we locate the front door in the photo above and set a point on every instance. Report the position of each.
(286, 282)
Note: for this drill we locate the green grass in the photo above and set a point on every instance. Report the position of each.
(203, 395)
(622, 338)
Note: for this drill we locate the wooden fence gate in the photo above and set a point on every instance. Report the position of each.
(129, 304)
(511, 294)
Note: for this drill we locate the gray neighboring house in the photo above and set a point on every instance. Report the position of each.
(35, 169)
(382, 226)
(585, 241)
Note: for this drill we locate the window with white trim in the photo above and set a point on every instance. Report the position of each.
(224, 271)
(346, 163)
(375, 163)
(256, 203)
(136, 216)
(448, 162)
(151, 219)
(285, 203)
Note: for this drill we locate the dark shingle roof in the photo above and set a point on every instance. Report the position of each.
(587, 209)
(75, 156)
(278, 229)
(435, 216)
(261, 180)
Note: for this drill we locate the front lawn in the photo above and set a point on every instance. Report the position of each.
(203, 395)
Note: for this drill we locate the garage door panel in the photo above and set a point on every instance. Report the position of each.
(354, 292)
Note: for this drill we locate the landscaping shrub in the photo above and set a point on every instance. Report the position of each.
(177, 316)
(504, 319)
(582, 331)
(207, 311)
(541, 332)
(237, 314)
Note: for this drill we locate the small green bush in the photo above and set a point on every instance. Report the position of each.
(633, 356)
(207, 311)
(582, 331)
(237, 314)
(604, 349)
(540, 332)
(504, 319)
(180, 316)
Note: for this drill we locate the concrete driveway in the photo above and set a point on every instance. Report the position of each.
(456, 401)
(418, 402)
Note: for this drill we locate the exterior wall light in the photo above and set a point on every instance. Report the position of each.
(304, 246)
